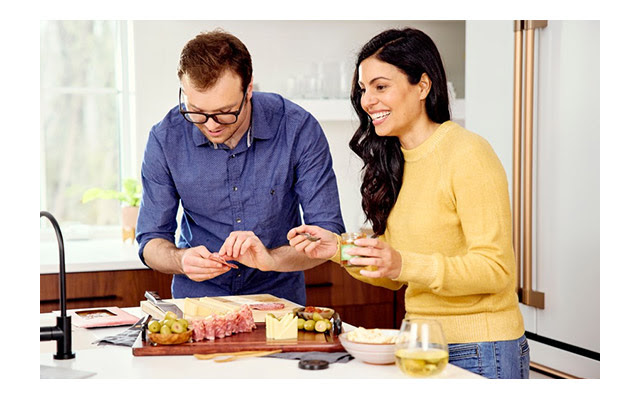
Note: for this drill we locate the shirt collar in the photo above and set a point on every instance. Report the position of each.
(260, 118)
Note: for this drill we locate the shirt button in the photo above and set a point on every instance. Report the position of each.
(235, 188)
(233, 156)
(238, 220)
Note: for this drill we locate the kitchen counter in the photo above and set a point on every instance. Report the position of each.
(83, 256)
(111, 361)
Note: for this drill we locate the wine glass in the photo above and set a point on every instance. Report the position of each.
(421, 347)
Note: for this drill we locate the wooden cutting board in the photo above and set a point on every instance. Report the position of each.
(255, 340)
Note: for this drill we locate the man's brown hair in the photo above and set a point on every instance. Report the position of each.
(208, 55)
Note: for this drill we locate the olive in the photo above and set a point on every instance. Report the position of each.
(185, 323)
(154, 326)
(316, 316)
(177, 327)
(165, 329)
(301, 323)
(167, 322)
(309, 325)
(321, 326)
(170, 315)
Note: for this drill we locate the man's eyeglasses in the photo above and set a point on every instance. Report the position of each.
(199, 118)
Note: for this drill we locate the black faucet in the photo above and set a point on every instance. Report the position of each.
(61, 333)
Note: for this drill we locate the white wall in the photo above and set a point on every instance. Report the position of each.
(280, 51)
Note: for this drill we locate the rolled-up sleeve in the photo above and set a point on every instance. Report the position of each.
(159, 204)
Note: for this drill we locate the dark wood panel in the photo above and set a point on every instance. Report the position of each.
(122, 288)
(358, 303)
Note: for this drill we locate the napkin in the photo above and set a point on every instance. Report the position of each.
(331, 357)
(126, 338)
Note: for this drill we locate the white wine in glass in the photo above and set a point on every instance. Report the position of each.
(421, 347)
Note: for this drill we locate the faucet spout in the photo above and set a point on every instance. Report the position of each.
(61, 333)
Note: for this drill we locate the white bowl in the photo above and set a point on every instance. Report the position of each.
(371, 353)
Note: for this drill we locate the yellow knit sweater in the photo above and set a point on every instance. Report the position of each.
(452, 226)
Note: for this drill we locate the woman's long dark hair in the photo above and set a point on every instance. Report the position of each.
(414, 53)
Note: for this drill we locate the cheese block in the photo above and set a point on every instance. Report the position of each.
(220, 305)
(194, 307)
(286, 328)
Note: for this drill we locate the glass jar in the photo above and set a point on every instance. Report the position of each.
(347, 240)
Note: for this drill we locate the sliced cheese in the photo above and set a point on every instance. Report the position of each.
(286, 328)
(190, 307)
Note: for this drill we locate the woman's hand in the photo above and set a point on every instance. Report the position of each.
(374, 252)
(324, 248)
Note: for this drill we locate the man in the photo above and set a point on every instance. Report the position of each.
(241, 164)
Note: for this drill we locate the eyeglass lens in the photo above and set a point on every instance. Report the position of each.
(202, 118)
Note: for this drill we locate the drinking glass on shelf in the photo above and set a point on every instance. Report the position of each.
(421, 347)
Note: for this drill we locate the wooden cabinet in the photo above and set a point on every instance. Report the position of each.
(122, 288)
(358, 303)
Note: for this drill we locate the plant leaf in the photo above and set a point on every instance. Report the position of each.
(98, 193)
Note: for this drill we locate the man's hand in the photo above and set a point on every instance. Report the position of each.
(324, 247)
(246, 248)
(199, 264)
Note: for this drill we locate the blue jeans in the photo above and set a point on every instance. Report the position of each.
(501, 359)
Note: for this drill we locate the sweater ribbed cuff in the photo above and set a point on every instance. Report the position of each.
(337, 258)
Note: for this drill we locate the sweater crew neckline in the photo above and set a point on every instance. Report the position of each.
(426, 147)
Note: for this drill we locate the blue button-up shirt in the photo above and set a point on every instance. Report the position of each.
(282, 164)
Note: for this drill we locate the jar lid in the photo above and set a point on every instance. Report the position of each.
(313, 364)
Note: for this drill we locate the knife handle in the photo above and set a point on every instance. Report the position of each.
(152, 296)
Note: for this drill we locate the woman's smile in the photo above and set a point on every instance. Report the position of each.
(378, 118)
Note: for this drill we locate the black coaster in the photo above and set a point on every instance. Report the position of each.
(313, 364)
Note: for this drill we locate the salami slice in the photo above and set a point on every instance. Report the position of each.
(267, 306)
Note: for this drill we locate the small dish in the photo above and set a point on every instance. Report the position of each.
(372, 353)
(307, 312)
(170, 339)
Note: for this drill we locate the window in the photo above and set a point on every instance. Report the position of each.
(85, 118)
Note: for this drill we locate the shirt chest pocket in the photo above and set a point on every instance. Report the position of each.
(272, 204)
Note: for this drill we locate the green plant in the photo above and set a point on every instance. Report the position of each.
(130, 195)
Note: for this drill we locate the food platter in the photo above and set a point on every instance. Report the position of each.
(251, 337)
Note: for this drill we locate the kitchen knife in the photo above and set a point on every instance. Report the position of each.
(155, 299)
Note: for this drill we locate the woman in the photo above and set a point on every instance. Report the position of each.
(437, 198)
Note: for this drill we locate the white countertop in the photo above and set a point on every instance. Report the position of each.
(112, 361)
(90, 256)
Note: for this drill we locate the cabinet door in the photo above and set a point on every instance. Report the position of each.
(358, 303)
(123, 288)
